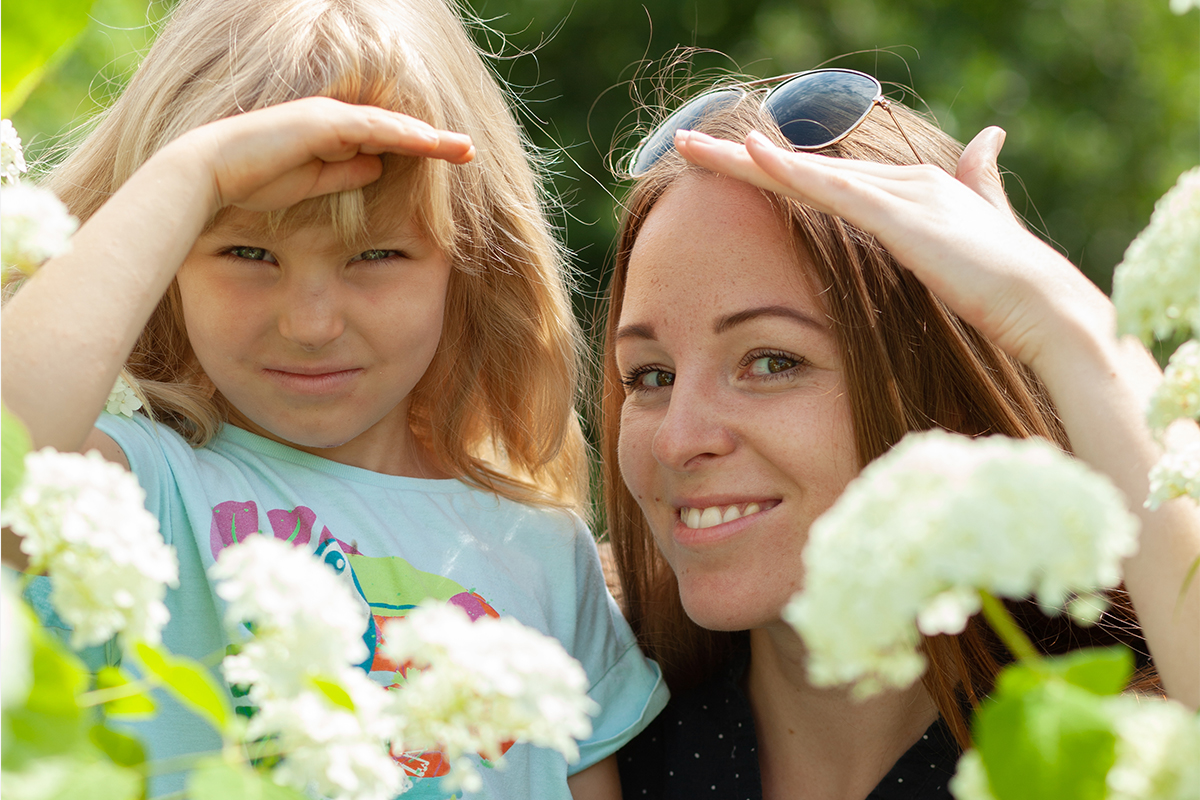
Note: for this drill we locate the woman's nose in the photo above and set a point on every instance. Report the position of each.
(696, 428)
(311, 315)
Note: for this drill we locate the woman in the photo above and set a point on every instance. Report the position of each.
(777, 320)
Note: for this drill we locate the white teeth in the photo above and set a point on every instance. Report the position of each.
(696, 518)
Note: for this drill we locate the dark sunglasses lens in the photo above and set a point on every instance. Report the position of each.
(815, 109)
(662, 138)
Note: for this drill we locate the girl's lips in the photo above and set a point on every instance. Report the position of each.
(702, 525)
(313, 383)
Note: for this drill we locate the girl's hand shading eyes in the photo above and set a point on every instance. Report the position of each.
(275, 157)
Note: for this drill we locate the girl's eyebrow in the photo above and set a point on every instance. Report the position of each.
(786, 312)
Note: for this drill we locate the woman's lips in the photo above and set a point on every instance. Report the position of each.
(313, 382)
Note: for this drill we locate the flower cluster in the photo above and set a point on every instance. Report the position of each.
(1157, 743)
(330, 722)
(122, 399)
(34, 226)
(909, 544)
(12, 157)
(83, 520)
(1178, 396)
(1157, 747)
(1177, 474)
(472, 686)
(1156, 288)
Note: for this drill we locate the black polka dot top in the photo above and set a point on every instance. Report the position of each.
(704, 746)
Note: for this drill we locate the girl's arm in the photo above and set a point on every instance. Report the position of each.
(959, 238)
(67, 332)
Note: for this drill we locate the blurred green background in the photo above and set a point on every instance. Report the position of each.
(1101, 98)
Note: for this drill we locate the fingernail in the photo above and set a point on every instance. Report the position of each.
(683, 136)
(757, 138)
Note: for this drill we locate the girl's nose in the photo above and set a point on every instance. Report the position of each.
(311, 314)
(695, 429)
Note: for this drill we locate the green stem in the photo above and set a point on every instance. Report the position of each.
(1007, 629)
(100, 696)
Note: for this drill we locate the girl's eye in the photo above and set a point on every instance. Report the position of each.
(376, 255)
(648, 378)
(766, 365)
(251, 253)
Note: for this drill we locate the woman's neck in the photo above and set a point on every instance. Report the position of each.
(823, 744)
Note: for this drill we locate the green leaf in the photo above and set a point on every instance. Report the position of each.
(137, 705)
(1044, 740)
(333, 692)
(1102, 671)
(123, 749)
(188, 681)
(65, 778)
(35, 37)
(215, 779)
(51, 721)
(14, 444)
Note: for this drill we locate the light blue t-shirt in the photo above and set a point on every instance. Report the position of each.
(402, 540)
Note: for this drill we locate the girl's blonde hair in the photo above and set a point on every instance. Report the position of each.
(496, 406)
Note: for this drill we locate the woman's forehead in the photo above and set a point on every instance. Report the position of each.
(719, 241)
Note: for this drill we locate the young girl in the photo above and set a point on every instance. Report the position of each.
(352, 331)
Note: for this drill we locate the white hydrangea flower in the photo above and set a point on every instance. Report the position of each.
(34, 226)
(908, 544)
(1158, 751)
(122, 399)
(306, 620)
(1183, 6)
(1178, 396)
(1157, 754)
(472, 686)
(1177, 474)
(83, 520)
(336, 751)
(15, 653)
(12, 157)
(1156, 288)
(970, 781)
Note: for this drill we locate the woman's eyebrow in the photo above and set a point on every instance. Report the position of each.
(786, 312)
(635, 332)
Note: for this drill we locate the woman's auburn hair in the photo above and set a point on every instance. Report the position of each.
(911, 364)
(496, 407)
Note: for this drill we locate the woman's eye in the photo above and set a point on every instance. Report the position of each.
(251, 253)
(768, 364)
(376, 255)
(648, 378)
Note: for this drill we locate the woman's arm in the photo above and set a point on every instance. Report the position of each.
(958, 237)
(68, 330)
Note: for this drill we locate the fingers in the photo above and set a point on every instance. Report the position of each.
(977, 168)
(727, 158)
(354, 129)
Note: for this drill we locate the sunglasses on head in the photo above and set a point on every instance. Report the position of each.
(814, 109)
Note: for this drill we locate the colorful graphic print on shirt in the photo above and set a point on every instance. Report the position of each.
(389, 585)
